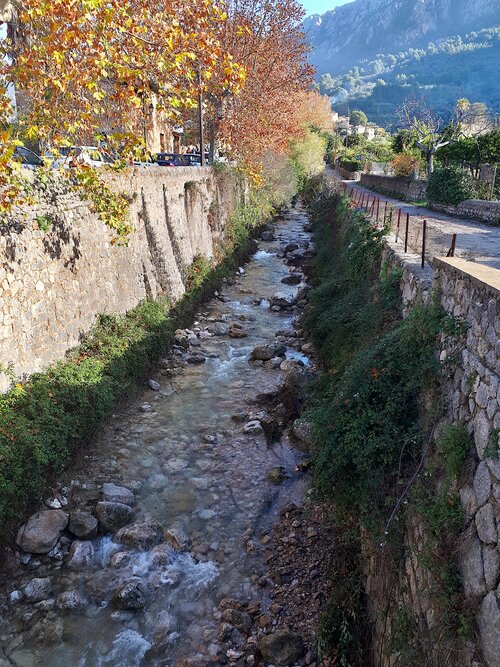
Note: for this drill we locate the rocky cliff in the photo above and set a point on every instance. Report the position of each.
(363, 28)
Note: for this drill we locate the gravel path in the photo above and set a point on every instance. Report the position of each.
(475, 241)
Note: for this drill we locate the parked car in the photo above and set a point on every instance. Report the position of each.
(195, 159)
(172, 160)
(27, 158)
(69, 156)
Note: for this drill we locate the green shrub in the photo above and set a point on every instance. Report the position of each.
(351, 165)
(450, 185)
(365, 410)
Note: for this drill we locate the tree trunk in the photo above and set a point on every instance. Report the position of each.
(430, 164)
(211, 149)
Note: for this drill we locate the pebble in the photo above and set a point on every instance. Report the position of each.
(155, 386)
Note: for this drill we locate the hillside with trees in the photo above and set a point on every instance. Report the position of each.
(435, 58)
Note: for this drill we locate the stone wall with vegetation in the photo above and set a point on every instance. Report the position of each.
(405, 422)
(59, 268)
(422, 599)
(407, 189)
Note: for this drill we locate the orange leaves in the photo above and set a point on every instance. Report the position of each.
(98, 60)
(266, 38)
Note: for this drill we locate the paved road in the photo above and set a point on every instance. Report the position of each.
(475, 241)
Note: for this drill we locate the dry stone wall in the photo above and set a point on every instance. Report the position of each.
(473, 209)
(54, 283)
(471, 293)
(408, 189)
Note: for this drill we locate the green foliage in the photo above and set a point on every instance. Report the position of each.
(368, 425)
(369, 431)
(450, 185)
(366, 408)
(453, 448)
(112, 208)
(308, 156)
(358, 117)
(198, 271)
(378, 87)
(44, 222)
(351, 165)
(436, 499)
(340, 629)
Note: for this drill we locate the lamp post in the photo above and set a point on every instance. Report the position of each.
(200, 120)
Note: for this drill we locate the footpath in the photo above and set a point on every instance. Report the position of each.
(474, 241)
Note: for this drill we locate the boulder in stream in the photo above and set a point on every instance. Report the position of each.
(292, 279)
(140, 536)
(41, 532)
(277, 475)
(196, 358)
(267, 352)
(80, 554)
(133, 595)
(112, 515)
(177, 539)
(83, 525)
(154, 385)
(282, 300)
(70, 600)
(38, 589)
(253, 427)
(218, 329)
(113, 493)
(237, 331)
(281, 648)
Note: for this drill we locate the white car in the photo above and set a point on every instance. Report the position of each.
(69, 156)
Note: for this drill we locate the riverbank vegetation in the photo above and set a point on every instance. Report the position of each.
(373, 413)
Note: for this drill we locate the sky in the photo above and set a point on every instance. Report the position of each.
(322, 6)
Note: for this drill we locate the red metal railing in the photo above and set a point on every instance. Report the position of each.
(421, 235)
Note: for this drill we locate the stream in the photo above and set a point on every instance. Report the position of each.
(201, 466)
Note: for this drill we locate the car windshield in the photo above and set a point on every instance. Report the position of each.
(27, 156)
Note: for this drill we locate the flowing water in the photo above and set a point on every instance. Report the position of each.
(185, 453)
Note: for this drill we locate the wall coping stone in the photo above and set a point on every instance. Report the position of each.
(411, 261)
(485, 276)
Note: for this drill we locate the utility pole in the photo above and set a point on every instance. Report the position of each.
(200, 120)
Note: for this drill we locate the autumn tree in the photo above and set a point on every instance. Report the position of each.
(89, 64)
(266, 38)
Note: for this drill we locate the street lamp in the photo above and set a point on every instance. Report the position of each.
(200, 119)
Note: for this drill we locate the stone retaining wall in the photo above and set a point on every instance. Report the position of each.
(407, 189)
(54, 283)
(348, 175)
(473, 209)
(471, 293)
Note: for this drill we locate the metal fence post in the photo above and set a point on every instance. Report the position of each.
(378, 208)
(424, 239)
(451, 251)
(407, 230)
(399, 221)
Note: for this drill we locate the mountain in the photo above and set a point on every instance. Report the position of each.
(371, 54)
(363, 28)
